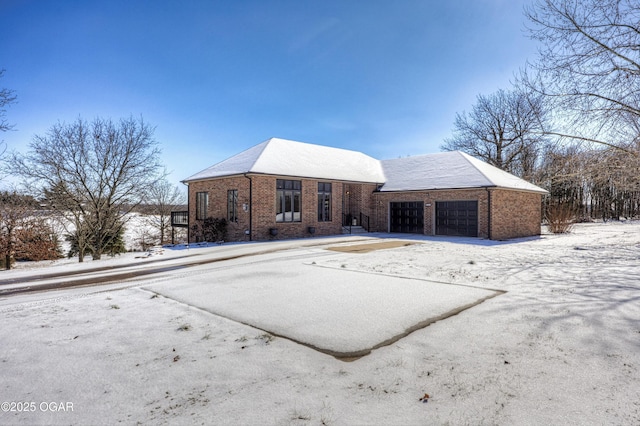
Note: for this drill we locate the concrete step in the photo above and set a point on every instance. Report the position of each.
(354, 230)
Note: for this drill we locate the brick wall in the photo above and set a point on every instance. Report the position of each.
(382, 200)
(263, 209)
(217, 190)
(357, 199)
(515, 214)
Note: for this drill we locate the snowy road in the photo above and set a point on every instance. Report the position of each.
(135, 265)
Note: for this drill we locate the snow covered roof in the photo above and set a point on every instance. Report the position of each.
(448, 170)
(290, 158)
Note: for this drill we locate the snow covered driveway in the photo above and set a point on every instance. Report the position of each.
(341, 312)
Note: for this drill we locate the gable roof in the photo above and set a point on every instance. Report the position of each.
(290, 158)
(448, 170)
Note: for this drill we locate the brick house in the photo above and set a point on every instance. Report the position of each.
(284, 189)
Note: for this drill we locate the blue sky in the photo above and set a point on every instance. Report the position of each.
(217, 77)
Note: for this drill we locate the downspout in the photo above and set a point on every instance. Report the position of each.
(250, 207)
(489, 212)
(188, 216)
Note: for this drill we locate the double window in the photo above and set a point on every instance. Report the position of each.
(232, 205)
(324, 202)
(202, 205)
(288, 200)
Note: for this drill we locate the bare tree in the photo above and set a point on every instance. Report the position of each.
(504, 129)
(163, 199)
(93, 174)
(7, 97)
(24, 233)
(598, 183)
(563, 171)
(588, 66)
(613, 184)
(13, 213)
(73, 217)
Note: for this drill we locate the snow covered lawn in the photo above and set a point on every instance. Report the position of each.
(561, 346)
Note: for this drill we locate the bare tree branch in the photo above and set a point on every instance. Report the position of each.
(7, 97)
(504, 129)
(163, 199)
(588, 65)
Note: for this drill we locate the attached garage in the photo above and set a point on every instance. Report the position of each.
(407, 217)
(457, 218)
(455, 195)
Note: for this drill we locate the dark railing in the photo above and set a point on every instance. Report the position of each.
(347, 221)
(364, 221)
(180, 219)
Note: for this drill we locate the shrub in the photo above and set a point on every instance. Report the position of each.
(37, 243)
(115, 244)
(210, 230)
(560, 217)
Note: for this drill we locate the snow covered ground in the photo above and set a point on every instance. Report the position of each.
(560, 346)
(340, 312)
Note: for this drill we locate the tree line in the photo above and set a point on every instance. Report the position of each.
(570, 122)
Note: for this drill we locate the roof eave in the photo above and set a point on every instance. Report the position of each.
(458, 188)
(187, 181)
